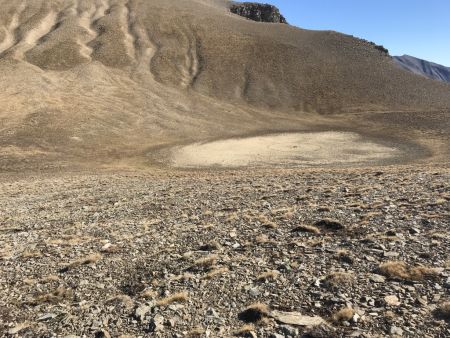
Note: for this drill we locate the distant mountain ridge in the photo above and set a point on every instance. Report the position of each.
(422, 67)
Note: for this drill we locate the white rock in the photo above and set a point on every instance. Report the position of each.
(392, 300)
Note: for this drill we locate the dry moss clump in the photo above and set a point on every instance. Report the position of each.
(245, 329)
(345, 314)
(90, 259)
(339, 279)
(216, 272)
(268, 275)
(211, 246)
(307, 228)
(60, 294)
(399, 270)
(205, 262)
(196, 332)
(179, 297)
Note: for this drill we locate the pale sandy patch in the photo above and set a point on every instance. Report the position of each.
(319, 148)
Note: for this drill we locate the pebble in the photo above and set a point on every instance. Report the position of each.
(392, 300)
(395, 330)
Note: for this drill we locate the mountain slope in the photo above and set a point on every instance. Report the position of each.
(422, 67)
(112, 79)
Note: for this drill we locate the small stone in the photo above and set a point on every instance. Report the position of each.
(276, 335)
(395, 330)
(156, 324)
(356, 318)
(320, 331)
(377, 278)
(289, 331)
(390, 254)
(46, 317)
(141, 312)
(254, 292)
(392, 300)
(212, 313)
(414, 231)
(171, 322)
(251, 334)
(447, 283)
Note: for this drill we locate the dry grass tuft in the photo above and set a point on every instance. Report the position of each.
(49, 279)
(394, 269)
(268, 275)
(183, 277)
(307, 228)
(262, 239)
(243, 330)
(345, 256)
(211, 246)
(345, 314)
(109, 248)
(149, 294)
(124, 300)
(30, 281)
(206, 262)
(254, 313)
(339, 279)
(196, 332)
(439, 235)
(31, 254)
(90, 259)
(423, 272)
(399, 270)
(216, 272)
(56, 296)
(69, 240)
(179, 297)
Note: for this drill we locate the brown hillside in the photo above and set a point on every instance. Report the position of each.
(114, 77)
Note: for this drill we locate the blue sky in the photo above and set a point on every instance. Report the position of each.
(419, 28)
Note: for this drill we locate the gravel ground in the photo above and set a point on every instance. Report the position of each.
(313, 253)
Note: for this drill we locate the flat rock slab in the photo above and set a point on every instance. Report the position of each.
(296, 318)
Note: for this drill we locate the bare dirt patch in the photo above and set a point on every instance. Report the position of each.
(290, 149)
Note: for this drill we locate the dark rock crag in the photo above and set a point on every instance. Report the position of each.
(258, 12)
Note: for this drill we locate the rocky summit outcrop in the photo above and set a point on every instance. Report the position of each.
(258, 12)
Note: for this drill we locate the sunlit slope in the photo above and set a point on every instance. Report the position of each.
(91, 77)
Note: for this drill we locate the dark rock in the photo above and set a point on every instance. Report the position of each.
(320, 331)
(329, 224)
(102, 334)
(252, 314)
(258, 12)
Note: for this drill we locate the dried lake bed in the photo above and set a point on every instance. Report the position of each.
(286, 149)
